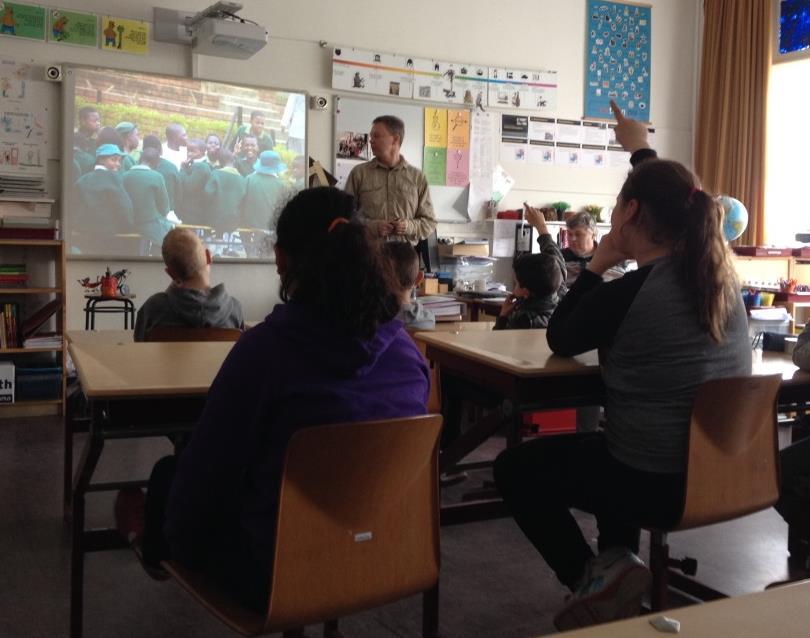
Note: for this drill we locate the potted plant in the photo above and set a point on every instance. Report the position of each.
(560, 207)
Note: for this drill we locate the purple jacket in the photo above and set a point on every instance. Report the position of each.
(290, 372)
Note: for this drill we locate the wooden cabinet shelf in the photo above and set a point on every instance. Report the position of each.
(45, 265)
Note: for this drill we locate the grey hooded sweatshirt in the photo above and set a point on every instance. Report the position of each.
(190, 307)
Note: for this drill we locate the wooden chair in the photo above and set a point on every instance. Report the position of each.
(732, 470)
(358, 527)
(185, 333)
(434, 404)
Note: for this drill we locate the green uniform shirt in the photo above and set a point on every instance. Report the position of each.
(393, 194)
(104, 206)
(172, 178)
(225, 190)
(85, 160)
(150, 201)
(244, 165)
(192, 181)
(263, 195)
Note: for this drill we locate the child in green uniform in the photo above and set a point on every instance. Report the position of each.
(264, 139)
(150, 200)
(129, 134)
(103, 206)
(224, 190)
(265, 192)
(246, 150)
(169, 171)
(193, 178)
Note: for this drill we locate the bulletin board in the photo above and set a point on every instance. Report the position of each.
(618, 60)
(354, 116)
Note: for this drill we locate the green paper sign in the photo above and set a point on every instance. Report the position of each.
(69, 27)
(22, 20)
(434, 165)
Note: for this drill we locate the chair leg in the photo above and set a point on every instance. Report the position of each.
(430, 612)
(659, 565)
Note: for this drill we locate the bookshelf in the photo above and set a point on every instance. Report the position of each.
(44, 261)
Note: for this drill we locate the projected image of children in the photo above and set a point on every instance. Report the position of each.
(150, 153)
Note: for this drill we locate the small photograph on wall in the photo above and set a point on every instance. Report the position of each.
(352, 145)
(22, 20)
(618, 59)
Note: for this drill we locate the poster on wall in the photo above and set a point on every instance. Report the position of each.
(521, 89)
(72, 27)
(618, 61)
(124, 36)
(22, 20)
(23, 125)
(372, 72)
(451, 82)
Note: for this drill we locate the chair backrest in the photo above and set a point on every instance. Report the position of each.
(358, 519)
(185, 333)
(434, 403)
(733, 464)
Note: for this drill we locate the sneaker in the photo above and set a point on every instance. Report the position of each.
(130, 514)
(448, 479)
(613, 587)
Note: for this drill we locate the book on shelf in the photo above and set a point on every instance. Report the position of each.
(43, 341)
(38, 318)
(8, 325)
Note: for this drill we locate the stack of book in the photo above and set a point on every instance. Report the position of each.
(9, 335)
(443, 306)
(13, 276)
(43, 341)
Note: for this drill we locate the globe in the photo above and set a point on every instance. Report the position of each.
(735, 217)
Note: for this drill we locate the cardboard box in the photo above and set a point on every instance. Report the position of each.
(429, 286)
(6, 382)
(461, 249)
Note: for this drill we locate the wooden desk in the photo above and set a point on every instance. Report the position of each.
(519, 365)
(83, 337)
(133, 390)
(490, 306)
(782, 611)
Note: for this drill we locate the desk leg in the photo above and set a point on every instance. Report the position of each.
(87, 465)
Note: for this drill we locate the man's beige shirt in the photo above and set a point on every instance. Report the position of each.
(393, 194)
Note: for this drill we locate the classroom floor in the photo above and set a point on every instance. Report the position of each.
(492, 584)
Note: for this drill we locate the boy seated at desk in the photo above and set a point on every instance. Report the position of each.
(189, 300)
(538, 277)
(405, 262)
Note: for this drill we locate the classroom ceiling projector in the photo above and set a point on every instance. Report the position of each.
(215, 31)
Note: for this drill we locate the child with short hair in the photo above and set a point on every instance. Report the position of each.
(538, 277)
(405, 262)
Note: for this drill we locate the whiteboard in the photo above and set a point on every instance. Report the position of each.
(352, 114)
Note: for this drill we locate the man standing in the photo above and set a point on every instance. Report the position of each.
(84, 139)
(176, 141)
(393, 195)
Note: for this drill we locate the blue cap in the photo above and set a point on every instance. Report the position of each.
(106, 150)
(269, 163)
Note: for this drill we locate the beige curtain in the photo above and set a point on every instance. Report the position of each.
(731, 113)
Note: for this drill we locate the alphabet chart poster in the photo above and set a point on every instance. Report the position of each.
(619, 65)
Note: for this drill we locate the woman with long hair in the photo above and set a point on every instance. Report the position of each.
(661, 331)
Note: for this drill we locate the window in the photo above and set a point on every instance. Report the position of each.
(787, 188)
(792, 39)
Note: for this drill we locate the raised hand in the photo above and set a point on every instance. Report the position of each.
(536, 219)
(630, 133)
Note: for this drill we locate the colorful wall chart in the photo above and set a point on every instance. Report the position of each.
(470, 85)
(71, 27)
(124, 36)
(372, 72)
(618, 59)
(22, 20)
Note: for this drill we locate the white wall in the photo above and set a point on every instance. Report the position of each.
(520, 33)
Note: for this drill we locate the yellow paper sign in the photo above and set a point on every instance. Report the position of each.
(124, 36)
(436, 127)
(458, 128)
